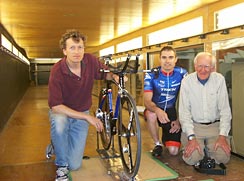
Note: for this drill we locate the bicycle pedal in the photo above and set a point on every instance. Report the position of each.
(125, 150)
(123, 135)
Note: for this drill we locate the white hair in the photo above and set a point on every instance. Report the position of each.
(213, 58)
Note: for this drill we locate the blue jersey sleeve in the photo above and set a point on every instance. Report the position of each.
(148, 82)
(181, 70)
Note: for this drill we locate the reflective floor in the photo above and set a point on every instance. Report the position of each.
(26, 135)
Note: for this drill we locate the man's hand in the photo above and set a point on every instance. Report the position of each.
(222, 143)
(96, 123)
(162, 116)
(191, 147)
(175, 126)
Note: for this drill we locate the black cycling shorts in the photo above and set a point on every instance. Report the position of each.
(169, 139)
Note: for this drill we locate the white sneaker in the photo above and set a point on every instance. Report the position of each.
(62, 174)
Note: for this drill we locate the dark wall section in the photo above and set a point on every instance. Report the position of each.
(14, 80)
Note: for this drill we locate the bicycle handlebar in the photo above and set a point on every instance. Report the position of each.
(119, 69)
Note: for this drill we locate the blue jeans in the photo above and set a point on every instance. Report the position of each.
(69, 139)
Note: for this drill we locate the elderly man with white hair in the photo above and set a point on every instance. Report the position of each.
(204, 113)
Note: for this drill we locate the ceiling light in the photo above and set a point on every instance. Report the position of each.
(170, 43)
(185, 40)
(225, 32)
(202, 36)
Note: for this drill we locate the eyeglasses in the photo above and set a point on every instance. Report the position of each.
(206, 67)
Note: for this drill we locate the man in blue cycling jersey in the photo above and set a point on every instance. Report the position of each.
(160, 94)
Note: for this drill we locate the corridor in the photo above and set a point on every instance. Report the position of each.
(26, 135)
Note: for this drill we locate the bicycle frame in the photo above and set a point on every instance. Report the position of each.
(112, 113)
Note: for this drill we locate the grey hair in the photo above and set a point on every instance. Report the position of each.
(213, 58)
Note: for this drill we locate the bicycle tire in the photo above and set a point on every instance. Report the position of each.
(105, 135)
(129, 135)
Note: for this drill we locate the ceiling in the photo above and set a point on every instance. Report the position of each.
(37, 26)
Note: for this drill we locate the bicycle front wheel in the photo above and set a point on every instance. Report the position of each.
(103, 105)
(129, 135)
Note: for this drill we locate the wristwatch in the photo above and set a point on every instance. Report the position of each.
(191, 137)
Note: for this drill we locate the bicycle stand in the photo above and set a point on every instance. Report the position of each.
(112, 162)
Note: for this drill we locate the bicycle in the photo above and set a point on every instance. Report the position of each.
(123, 120)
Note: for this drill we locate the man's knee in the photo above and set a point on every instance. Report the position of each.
(150, 116)
(224, 160)
(58, 122)
(221, 157)
(194, 158)
(173, 150)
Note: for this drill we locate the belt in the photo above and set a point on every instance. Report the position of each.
(210, 122)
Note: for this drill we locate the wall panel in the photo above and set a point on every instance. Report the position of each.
(14, 80)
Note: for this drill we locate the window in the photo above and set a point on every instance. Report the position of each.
(181, 30)
(6, 43)
(106, 51)
(130, 45)
(15, 51)
(229, 17)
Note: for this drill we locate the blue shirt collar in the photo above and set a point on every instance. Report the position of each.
(203, 82)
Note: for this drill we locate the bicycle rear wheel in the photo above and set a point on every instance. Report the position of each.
(103, 105)
(129, 135)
